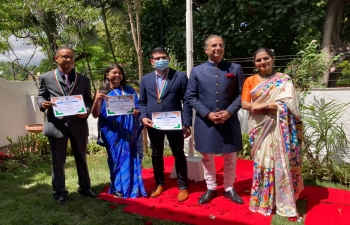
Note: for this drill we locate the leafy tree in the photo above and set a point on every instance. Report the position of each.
(164, 26)
(15, 71)
(245, 25)
(106, 9)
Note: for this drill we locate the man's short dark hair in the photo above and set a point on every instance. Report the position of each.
(63, 47)
(158, 50)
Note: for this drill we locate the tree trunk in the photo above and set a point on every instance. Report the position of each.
(332, 29)
(49, 26)
(136, 36)
(332, 23)
(139, 50)
(104, 19)
(92, 80)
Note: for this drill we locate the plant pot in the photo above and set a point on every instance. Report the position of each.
(34, 128)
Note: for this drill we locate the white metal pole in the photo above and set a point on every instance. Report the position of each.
(189, 59)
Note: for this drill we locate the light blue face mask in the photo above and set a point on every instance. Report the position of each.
(162, 64)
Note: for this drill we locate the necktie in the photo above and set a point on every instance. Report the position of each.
(66, 81)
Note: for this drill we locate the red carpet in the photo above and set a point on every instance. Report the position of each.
(325, 205)
(219, 211)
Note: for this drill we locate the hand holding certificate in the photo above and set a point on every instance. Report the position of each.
(167, 120)
(120, 105)
(68, 105)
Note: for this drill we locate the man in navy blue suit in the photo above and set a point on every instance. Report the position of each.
(164, 90)
(214, 91)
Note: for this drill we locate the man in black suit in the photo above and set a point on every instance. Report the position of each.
(164, 90)
(64, 81)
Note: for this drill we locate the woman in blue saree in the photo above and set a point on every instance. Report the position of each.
(120, 135)
(275, 140)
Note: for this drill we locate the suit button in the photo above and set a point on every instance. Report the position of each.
(217, 100)
(216, 76)
(217, 109)
(217, 92)
(217, 84)
(216, 68)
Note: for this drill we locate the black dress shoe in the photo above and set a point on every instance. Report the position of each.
(87, 193)
(207, 197)
(61, 200)
(233, 196)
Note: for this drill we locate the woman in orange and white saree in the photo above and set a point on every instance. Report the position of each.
(275, 141)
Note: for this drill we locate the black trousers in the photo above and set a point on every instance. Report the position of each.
(58, 148)
(176, 142)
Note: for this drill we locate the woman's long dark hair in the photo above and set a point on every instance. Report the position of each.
(105, 87)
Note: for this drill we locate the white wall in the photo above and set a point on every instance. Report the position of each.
(17, 108)
(342, 95)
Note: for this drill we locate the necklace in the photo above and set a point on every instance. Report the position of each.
(121, 89)
(56, 74)
(160, 90)
(267, 76)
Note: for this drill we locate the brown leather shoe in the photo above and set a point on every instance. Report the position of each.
(157, 191)
(183, 195)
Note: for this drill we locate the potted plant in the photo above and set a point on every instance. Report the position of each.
(34, 128)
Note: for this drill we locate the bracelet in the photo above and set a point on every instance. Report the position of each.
(250, 108)
(267, 105)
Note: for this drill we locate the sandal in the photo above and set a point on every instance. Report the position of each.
(118, 194)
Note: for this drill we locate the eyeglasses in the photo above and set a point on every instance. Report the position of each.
(160, 57)
(64, 57)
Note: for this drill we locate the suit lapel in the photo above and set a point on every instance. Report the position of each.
(152, 83)
(62, 85)
(170, 81)
(60, 79)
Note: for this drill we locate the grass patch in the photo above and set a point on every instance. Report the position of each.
(280, 220)
(26, 196)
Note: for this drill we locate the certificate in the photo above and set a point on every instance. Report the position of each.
(68, 105)
(120, 105)
(167, 120)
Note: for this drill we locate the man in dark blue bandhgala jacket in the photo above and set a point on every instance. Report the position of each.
(214, 91)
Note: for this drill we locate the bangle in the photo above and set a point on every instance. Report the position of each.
(267, 105)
